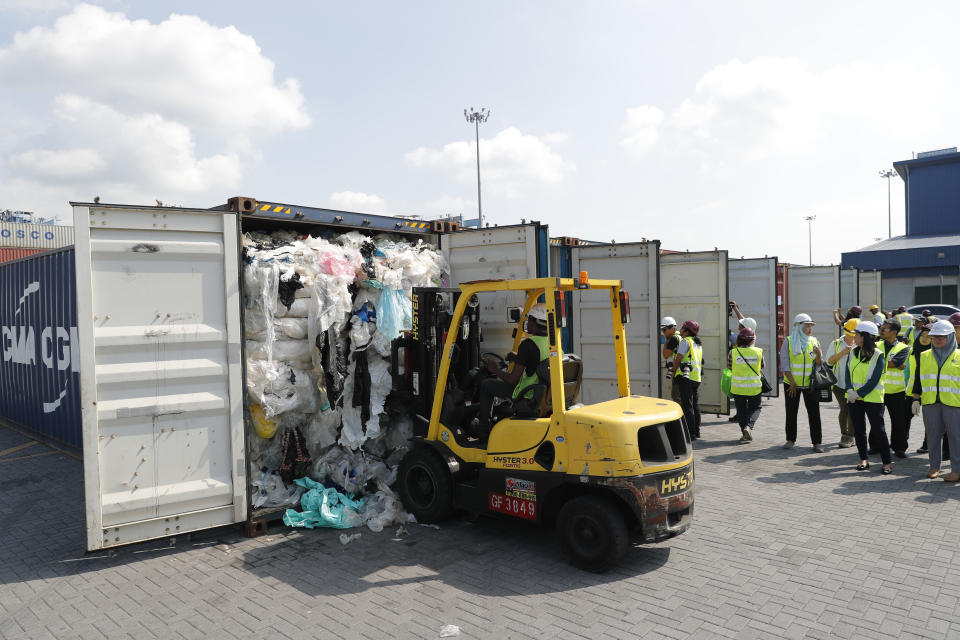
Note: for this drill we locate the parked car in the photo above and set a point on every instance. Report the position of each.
(942, 311)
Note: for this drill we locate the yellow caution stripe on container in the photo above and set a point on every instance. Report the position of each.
(274, 208)
(416, 225)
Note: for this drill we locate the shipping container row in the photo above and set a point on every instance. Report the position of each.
(83, 365)
(24, 235)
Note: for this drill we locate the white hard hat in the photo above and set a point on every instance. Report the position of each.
(865, 326)
(749, 323)
(803, 318)
(941, 328)
(538, 312)
(667, 321)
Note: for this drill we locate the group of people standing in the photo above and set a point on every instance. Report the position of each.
(897, 362)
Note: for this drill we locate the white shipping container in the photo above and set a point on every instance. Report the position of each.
(20, 235)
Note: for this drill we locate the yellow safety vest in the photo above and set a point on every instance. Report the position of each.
(745, 365)
(906, 324)
(859, 372)
(694, 356)
(940, 384)
(839, 345)
(895, 380)
(530, 378)
(801, 364)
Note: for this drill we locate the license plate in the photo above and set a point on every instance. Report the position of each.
(511, 506)
(676, 484)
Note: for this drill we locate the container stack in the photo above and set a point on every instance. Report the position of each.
(320, 314)
(21, 239)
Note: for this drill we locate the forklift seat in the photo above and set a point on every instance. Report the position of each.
(572, 377)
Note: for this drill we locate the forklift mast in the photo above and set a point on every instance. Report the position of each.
(415, 357)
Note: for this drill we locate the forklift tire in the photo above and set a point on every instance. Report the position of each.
(426, 486)
(593, 533)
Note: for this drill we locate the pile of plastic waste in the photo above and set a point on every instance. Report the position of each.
(320, 315)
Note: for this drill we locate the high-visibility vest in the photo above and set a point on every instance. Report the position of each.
(906, 324)
(895, 380)
(940, 384)
(859, 372)
(879, 318)
(694, 356)
(745, 366)
(839, 367)
(529, 378)
(801, 364)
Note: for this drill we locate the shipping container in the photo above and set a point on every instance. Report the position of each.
(753, 285)
(39, 372)
(22, 235)
(6, 255)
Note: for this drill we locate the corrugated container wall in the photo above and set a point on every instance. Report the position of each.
(21, 235)
(39, 372)
(6, 255)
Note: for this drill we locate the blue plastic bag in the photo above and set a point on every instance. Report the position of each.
(395, 314)
(323, 507)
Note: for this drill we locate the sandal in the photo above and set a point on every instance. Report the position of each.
(863, 466)
(885, 471)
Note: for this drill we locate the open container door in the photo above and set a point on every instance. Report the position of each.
(158, 306)
(635, 263)
(816, 292)
(870, 288)
(849, 289)
(753, 284)
(694, 287)
(498, 253)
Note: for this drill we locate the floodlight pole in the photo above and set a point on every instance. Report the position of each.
(888, 173)
(476, 117)
(810, 220)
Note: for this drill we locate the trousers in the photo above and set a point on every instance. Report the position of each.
(898, 408)
(748, 410)
(939, 419)
(690, 403)
(846, 426)
(811, 401)
(860, 412)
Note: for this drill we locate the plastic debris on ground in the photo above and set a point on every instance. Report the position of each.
(449, 631)
(320, 315)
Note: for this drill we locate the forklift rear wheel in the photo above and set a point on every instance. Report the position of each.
(426, 486)
(593, 533)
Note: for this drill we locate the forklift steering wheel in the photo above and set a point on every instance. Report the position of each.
(493, 356)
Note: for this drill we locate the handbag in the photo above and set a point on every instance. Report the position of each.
(823, 377)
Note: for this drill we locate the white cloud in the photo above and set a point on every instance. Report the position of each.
(184, 68)
(65, 164)
(641, 128)
(507, 161)
(357, 201)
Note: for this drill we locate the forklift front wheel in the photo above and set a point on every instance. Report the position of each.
(593, 533)
(426, 486)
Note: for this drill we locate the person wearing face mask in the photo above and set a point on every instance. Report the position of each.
(940, 396)
(837, 354)
(866, 368)
(799, 354)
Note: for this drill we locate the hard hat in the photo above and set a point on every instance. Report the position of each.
(746, 334)
(874, 307)
(749, 323)
(692, 326)
(850, 326)
(942, 328)
(538, 312)
(856, 309)
(865, 326)
(667, 321)
(901, 309)
(955, 319)
(926, 313)
(803, 318)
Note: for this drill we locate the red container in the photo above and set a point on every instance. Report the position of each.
(7, 254)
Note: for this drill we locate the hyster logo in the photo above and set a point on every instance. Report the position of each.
(57, 347)
(676, 483)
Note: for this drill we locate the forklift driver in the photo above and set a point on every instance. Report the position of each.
(515, 383)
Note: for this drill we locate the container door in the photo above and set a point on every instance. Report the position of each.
(158, 306)
(870, 287)
(499, 253)
(753, 284)
(816, 292)
(849, 288)
(694, 287)
(637, 265)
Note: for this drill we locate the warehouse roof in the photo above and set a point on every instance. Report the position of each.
(946, 156)
(913, 242)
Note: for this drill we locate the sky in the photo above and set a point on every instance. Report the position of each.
(702, 124)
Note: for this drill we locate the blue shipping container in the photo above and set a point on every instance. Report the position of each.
(40, 372)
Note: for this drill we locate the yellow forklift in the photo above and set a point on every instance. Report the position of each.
(605, 474)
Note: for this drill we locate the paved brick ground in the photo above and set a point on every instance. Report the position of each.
(784, 544)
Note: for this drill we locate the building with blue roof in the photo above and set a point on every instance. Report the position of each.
(922, 266)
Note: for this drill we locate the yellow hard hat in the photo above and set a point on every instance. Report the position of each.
(850, 326)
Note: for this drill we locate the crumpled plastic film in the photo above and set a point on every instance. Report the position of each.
(383, 509)
(323, 507)
(271, 492)
(354, 431)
